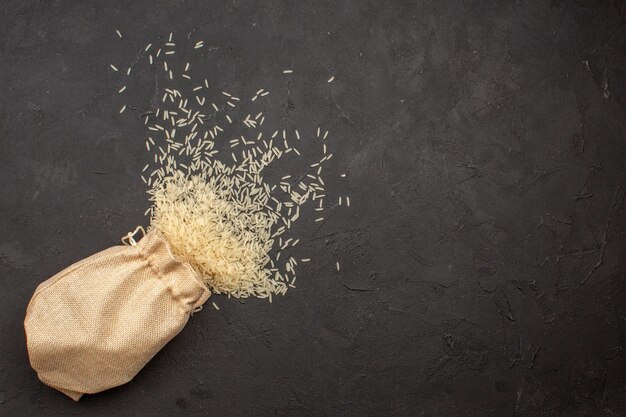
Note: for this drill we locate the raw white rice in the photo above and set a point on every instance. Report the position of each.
(193, 189)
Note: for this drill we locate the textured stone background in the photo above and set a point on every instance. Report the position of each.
(483, 261)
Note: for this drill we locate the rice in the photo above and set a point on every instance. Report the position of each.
(118, 33)
(220, 235)
(330, 80)
(215, 207)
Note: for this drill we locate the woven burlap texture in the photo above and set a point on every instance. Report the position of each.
(94, 325)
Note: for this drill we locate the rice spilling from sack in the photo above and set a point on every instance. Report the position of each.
(210, 199)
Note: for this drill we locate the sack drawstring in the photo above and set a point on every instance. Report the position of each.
(129, 238)
(195, 310)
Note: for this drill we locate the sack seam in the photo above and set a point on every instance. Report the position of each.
(159, 274)
(195, 275)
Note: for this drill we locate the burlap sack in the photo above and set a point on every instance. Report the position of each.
(94, 325)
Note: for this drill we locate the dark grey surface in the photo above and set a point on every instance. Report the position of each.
(483, 261)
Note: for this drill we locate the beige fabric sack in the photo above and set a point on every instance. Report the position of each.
(94, 325)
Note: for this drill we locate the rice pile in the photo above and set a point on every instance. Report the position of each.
(224, 237)
(210, 197)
